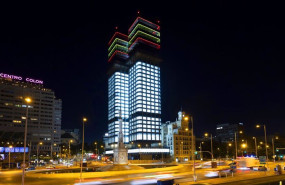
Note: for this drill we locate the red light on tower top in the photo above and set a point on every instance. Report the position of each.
(138, 12)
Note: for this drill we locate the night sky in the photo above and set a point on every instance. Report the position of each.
(223, 62)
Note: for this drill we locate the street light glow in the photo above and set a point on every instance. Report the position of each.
(186, 118)
(244, 145)
(28, 100)
(84, 119)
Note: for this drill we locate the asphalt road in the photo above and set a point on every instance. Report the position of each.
(15, 178)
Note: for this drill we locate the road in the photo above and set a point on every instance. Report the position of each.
(183, 176)
(15, 178)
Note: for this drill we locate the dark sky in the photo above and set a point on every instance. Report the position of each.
(223, 61)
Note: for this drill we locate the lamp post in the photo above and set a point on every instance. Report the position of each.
(161, 146)
(54, 145)
(28, 101)
(236, 144)
(243, 146)
(273, 148)
(40, 143)
(255, 146)
(70, 141)
(192, 147)
(139, 145)
(181, 151)
(264, 127)
(96, 150)
(201, 153)
(206, 135)
(102, 150)
(10, 147)
(83, 121)
(229, 145)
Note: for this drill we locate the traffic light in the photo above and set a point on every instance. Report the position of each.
(195, 152)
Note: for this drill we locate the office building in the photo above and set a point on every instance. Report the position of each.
(70, 134)
(134, 84)
(44, 114)
(177, 136)
(226, 132)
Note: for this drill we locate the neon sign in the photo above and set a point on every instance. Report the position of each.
(14, 77)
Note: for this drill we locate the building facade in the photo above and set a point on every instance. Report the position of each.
(226, 132)
(134, 85)
(44, 114)
(177, 136)
(70, 134)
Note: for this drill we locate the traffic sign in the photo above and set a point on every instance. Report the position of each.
(262, 159)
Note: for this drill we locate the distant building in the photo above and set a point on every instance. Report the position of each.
(70, 134)
(44, 114)
(177, 136)
(226, 132)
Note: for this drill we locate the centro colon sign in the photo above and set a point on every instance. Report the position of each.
(14, 77)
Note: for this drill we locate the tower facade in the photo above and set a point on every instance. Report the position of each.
(118, 87)
(134, 84)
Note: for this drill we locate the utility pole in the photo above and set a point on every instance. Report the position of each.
(236, 144)
(193, 154)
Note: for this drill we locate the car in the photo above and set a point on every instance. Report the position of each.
(50, 167)
(30, 168)
(262, 168)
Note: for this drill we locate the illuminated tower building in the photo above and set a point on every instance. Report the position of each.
(134, 84)
(118, 87)
(144, 82)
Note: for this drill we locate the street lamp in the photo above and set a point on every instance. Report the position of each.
(236, 144)
(28, 101)
(201, 153)
(10, 147)
(51, 150)
(206, 135)
(192, 144)
(229, 145)
(96, 150)
(83, 121)
(181, 151)
(255, 146)
(243, 145)
(70, 141)
(273, 147)
(103, 149)
(139, 145)
(264, 127)
(161, 146)
(40, 143)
